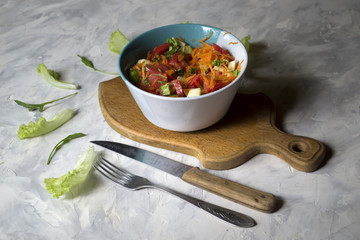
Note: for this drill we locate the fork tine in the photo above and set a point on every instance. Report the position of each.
(110, 173)
(115, 168)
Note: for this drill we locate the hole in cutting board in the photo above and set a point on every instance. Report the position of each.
(299, 147)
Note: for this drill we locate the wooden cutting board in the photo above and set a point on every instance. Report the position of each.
(247, 130)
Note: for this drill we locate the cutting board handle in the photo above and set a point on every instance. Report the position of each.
(302, 153)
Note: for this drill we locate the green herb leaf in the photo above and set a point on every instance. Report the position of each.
(53, 77)
(193, 70)
(156, 58)
(236, 72)
(174, 46)
(89, 64)
(216, 62)
(62, 142)
(180, 72)
(40, 106)
(117, 42)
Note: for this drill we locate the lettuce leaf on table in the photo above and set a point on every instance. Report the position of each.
(245, 42)
(42, 126)
(63, 184)
(117, 42)
(53, 78)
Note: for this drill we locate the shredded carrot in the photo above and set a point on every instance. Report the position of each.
(206, 38)
(202, 57)
(164, 59)
(224, 66)
(234, 43)
(180, 57)
(226, 33)
(239, 65)
(143, 70)
(187, 80)
(170, 72)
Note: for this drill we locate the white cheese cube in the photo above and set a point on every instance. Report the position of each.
(232, 65)
(194, 92)
(140, 61)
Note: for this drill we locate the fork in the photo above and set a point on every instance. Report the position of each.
(134, 182)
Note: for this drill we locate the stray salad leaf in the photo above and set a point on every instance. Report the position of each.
(61, 185)
(89, 64)
(40, 106)
(53, 78)
(62, 142)
(42, 126)
(117, 42)
(245, 42)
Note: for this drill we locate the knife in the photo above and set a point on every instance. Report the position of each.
(255, 199)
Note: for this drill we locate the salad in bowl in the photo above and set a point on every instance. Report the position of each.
(183, 77)
(176, 69)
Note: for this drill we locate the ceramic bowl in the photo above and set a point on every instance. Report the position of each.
(182, 114)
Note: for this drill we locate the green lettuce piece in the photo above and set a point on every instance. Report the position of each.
(174, 46)
(187, 49)
(135, 76)
(61, 185)
(42, 126)
(177, 45)
(117, 42)
(236, 72)
(245, 42)
(165, 89)
(53, 77)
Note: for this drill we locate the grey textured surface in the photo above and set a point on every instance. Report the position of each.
(305, 56)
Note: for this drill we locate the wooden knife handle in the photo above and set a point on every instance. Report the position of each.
(261, 201)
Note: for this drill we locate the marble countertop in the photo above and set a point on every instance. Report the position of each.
(305, 57)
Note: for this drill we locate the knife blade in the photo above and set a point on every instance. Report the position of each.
(236, 192)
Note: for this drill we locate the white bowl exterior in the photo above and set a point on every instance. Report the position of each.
(186, 115)
(194, 113)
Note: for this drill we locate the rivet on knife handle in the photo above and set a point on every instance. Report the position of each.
(233, 191)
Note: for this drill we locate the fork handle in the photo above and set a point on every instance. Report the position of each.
(233, 191)
(225, 214)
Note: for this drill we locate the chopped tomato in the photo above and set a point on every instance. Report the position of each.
(157, 68)
(178, 61)
(160, 50)
(219, 49)
(208, 88)
(195, 82)
(178, 87)
(157, 80)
